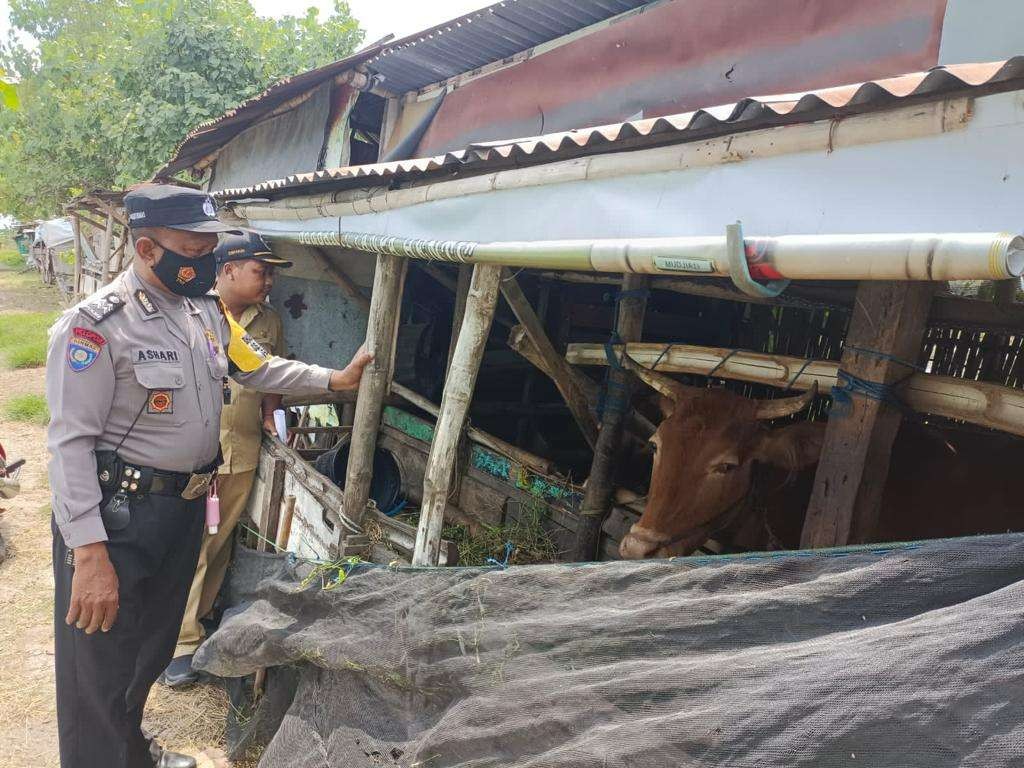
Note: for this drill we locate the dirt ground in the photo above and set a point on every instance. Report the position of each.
(187, 721)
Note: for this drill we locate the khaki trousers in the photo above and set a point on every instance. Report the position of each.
(214, 557)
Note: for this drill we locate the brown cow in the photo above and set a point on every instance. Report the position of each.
(709, 442)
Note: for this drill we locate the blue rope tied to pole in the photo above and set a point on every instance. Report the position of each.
(502, 563)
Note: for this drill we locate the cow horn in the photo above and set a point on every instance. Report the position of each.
(666, 385)
(785, 406)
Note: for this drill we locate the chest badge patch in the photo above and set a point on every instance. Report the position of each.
(160, 401)
(83, 348)
(186, 275)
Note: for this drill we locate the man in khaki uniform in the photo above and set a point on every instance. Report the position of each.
(245, 275)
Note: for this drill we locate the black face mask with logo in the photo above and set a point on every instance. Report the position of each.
(185, 276)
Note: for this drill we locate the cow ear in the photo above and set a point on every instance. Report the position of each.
(793, 447)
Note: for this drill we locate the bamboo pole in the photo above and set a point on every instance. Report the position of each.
(485, 439)
(988, 405)
(597, 496)
(337, 274)
(916, 121)
(558, 369)
(381, 335)
(458, 390)
(889, 257)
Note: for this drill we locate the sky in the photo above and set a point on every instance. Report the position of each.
(377, 17)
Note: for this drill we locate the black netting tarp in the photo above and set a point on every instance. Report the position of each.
(902, 656)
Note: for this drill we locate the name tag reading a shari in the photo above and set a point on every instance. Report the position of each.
(671, 264)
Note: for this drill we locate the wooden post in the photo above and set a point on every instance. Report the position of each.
(458, 390)
(461, 292)
(889, 320)
(76, 227)
(381, 333)
(106, 247)
(559, 370)
(597, 496)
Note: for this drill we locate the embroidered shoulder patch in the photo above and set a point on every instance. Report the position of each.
(160, 401)
(100, 309)
(145, 303)
(83, 348)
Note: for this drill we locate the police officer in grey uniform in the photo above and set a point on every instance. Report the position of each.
(135, 380)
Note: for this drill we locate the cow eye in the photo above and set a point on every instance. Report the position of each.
(724, 468)
(653, 446)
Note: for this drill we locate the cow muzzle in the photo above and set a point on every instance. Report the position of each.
(640, 542)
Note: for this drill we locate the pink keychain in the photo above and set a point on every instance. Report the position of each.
(212, 509)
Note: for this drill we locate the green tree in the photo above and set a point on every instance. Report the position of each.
(116, 84)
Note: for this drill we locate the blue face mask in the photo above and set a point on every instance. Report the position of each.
(185, 276)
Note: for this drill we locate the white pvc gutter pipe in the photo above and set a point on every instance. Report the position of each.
(952, 256)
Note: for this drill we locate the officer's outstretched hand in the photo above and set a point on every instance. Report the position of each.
(349, 376)
(93, 589)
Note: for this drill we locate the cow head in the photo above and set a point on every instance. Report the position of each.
(705, 448)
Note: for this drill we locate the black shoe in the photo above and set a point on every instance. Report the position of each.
(175, 760)
(179, 674)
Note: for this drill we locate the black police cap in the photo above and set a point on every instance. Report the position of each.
(247, 246)
(174, 207)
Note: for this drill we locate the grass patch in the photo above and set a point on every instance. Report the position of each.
(11, 259)
(30, 408)
(530, 540)
(23, 338)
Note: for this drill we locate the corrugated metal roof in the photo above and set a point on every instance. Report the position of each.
(746, 115)
(460, 45)
(485, 36)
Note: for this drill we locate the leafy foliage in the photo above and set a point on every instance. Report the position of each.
(116, 84)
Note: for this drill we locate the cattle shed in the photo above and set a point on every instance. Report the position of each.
(658, 211)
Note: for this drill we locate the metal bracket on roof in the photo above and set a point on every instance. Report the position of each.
(739, 271)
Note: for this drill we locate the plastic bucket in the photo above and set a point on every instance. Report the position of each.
(386, 486)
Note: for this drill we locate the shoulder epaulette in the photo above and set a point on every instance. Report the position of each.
(100, 309)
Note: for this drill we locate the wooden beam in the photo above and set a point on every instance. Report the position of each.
(337, 274)
(597, 496)
(459, 311)
(520, 342)
(486, 439)
(442, 278)
(272, 513)
(558, 369)
(381, 334)
(958, 311)
(887, 325)
(458, 391)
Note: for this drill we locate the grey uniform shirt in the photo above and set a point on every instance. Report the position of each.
(160, 361)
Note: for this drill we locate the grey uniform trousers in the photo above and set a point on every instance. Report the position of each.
(103, 679)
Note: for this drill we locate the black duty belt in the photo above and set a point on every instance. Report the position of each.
(116, 474)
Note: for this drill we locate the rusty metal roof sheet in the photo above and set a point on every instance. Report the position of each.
(746, 115)
(460, 45)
